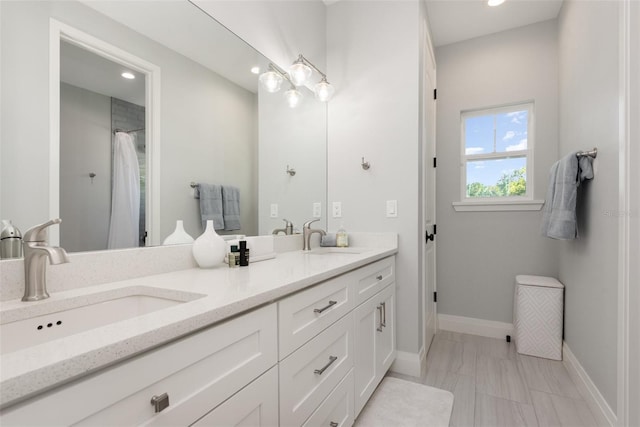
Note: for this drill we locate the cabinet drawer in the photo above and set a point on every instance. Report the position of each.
(255, 405)
(373, 278)
(197, 372)
(304, 315)
(309, 374)
(337, 409)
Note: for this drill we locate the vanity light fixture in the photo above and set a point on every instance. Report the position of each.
(271, 80)
(128, 75)
(494, 3)
(293, 97)
(300, 72)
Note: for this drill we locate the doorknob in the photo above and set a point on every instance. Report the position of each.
(429, 237)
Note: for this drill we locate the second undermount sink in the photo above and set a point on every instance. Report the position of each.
(28, 325)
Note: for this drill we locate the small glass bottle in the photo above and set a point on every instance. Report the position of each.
(342, 238)
(234, 257)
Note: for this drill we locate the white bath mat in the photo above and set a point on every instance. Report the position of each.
(400, 403)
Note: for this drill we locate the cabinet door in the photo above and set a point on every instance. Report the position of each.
(367, 322)
(386, 339)
(375, 340)
(254, 405)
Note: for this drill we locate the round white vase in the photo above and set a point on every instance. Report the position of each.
(179, 236)
(209, 249)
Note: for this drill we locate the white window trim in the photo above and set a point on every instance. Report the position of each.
(508, 203)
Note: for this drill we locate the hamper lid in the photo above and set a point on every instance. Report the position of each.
(546, 282)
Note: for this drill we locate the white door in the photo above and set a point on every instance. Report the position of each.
(428, 176)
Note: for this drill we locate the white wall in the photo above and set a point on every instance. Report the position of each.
(373, 60)
(293, 137)
(480, 253)
(201, 140)
(278, 29)
(588, 44)
(85, 147)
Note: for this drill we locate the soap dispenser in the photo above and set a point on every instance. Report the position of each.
(10, 241)
(342, 238)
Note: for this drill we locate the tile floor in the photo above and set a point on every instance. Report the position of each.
(493, 385)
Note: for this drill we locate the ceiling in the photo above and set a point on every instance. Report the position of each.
(452, 21)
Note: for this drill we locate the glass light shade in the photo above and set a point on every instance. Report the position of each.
(293, 97)
(494, 3)
(299, 73)
(271, 81)
(323, 90)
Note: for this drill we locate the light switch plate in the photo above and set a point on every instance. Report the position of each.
(392, 208)
(274, 210)
(317, 210)
(337, 209)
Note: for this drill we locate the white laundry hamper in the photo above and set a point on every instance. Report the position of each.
(538, 314)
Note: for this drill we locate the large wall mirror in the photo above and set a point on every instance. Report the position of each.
(194, 114)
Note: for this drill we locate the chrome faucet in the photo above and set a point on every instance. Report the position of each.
(36, 249)
(307, 232)
(288, 228)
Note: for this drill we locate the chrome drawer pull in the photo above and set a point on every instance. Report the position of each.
(160, 402)
(379, 328)
(320, 310)
(384, 314)
(379, 277)
(333, 424)
(331, 360)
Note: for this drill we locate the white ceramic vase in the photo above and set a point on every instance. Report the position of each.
(179, 236)
(209, 249)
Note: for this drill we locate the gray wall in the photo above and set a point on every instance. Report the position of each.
(588, 43)
(480, 253)
(373, 59)
(85, 147)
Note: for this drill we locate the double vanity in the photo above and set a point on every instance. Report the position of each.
(302, 339)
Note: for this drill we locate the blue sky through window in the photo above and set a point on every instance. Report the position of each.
(495, 133)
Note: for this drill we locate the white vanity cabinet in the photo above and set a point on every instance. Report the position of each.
(375, 343)
(337, 340)
(196, 373)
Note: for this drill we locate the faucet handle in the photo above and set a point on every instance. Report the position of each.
(308, 223)
(38, 233)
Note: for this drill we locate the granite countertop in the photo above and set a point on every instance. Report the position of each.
(220, 293)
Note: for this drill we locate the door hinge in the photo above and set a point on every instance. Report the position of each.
(434, 162)
(435, 94)
(435, 297)
(434, 229)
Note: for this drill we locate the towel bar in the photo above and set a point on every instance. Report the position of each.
(592, 153)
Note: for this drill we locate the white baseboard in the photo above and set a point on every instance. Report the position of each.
(469, 325)
(590, 393)
(413, 364)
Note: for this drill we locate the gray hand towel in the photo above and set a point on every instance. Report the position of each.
(231, 207)
(559, 219)
(210, 196)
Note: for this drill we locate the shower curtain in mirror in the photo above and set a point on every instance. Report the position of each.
(125, 194)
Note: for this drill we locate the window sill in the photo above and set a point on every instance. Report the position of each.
(498, 205)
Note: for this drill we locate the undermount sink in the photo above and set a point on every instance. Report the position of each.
(30, 325)
(334, 250)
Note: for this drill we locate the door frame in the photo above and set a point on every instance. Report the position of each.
(58, 32)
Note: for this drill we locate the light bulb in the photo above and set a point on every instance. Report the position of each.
(128, 75)
(323, 90)
(299, 73)
(293, 97)
(271, 81)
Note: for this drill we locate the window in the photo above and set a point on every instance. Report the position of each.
(497, 154)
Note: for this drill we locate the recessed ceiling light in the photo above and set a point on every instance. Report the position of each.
(493, 3)
(128, 75)
(255, 70)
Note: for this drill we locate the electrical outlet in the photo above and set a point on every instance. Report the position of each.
(392, 208)
(317, 210)
(274, 210)
(337, 209)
